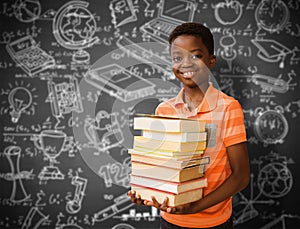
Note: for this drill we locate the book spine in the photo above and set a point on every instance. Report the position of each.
(165, 192)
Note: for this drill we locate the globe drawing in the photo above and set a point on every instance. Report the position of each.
(74, 27)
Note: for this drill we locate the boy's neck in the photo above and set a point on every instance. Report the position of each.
(195, 94)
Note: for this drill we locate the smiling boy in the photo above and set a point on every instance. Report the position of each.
(192, 52)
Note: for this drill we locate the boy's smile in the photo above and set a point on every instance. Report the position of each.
(188, 75)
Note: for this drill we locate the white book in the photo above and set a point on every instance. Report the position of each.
(173, 198)
(167, 173)
(167, 124)
(175, 136)
(167, 186)
(147, 143)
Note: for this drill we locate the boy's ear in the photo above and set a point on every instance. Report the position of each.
(212, 61)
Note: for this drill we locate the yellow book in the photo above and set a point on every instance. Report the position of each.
(175, 136)
(166, 153)
(167, 124)
(169, 161)
(156, 145)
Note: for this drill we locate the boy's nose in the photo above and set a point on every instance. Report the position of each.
(187, 61)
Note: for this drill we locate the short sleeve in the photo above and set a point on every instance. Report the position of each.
(234, 124)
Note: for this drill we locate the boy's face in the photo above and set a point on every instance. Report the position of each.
(191, 60)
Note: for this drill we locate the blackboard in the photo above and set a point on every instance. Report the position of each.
(65, 131)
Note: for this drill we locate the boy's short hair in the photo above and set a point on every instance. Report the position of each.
(194, 29)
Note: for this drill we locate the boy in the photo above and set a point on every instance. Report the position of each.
(192, 52)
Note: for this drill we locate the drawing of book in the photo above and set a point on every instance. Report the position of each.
(117, 81)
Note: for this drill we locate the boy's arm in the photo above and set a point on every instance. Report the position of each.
(237, 181)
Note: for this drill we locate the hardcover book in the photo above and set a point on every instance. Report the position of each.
(167, 124)
(168, 186)
(167, 173)
(175, 136)
(166, 153)
(141, 142)
(173, 198)
(178, 163)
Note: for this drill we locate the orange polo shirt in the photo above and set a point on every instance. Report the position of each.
(225, 125)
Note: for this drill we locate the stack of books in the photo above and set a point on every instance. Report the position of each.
(167, 159)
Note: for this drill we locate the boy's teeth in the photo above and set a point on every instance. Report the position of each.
(188, 73)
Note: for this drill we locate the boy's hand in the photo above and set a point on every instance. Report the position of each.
(181, 209)
(135, 199)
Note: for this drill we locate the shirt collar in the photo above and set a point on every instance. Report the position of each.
(208, 103)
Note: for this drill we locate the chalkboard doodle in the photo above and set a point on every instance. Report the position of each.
(141, 52)
(64, 97)
(19, 98)
(122, 12)
(104, 131)
(74, 27)
(271, 126)
(31, 58)
(120, 203)
(73, 206)
(228, 12)
(274, 179)
(271, 51)
(18, 192)
(115, 173)
(170, 14)
(26, 10)
(52, 143)
(228, 53)
(272, 17)
(137, 216)
(35, 218)
(120, 83)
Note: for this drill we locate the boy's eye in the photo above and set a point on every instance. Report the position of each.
(177, 59)
(196, 57)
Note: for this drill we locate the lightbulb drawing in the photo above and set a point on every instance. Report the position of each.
(19, 99)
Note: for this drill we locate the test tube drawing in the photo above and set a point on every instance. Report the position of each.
(18, 193)
(34, 219)
(122, 202)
